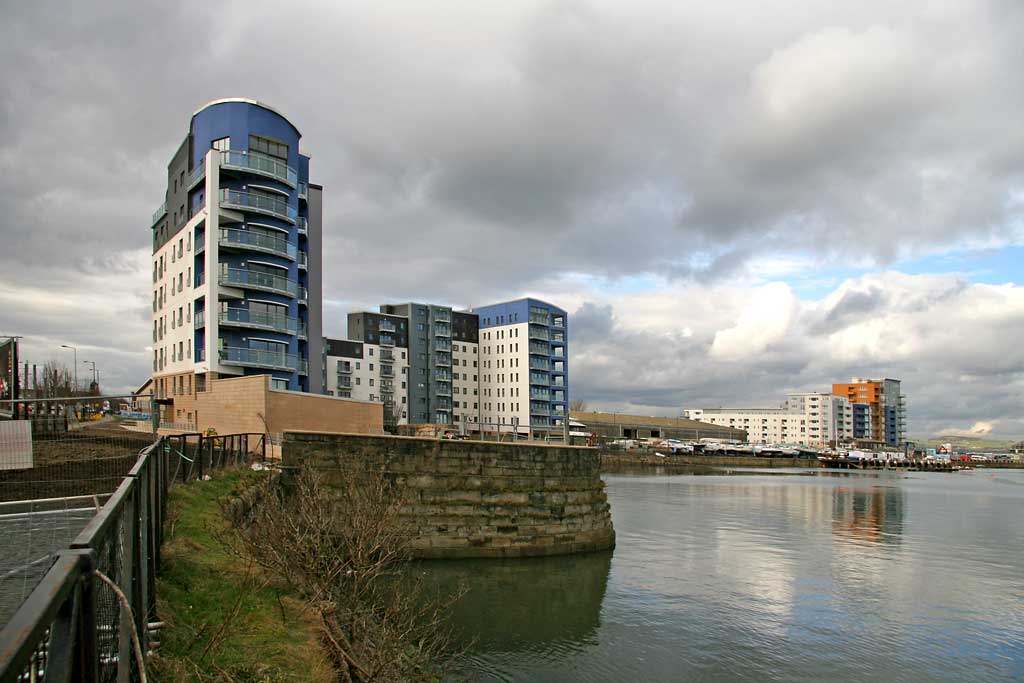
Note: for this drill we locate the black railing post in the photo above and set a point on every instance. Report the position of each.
(86, 666)
(200, 455)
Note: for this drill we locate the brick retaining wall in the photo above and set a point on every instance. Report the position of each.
(478, 499)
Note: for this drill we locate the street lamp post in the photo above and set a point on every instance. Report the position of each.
(95, 381)
(75, 349)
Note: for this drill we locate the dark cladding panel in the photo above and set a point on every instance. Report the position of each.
(465, 327)
(344, 348)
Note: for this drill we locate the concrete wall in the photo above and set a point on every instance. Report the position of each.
(478, 499)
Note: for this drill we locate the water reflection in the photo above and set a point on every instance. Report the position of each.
(872, 515)
(542, 600)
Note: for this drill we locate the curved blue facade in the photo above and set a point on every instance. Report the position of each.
(264, 179)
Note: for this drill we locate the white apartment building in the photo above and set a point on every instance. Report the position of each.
(500, 368)
(811, 419)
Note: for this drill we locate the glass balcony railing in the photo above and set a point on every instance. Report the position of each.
(442, 330)
(197, 174)
(257, 241)
(539, 318)
(387, 371)
(302, 260)
(303, 191)
(540, 349)
(387, 340)
(443, 374)
(386, 326)
(261, 358)
(540, 395)
(255, 162)
(345, 368)
(261, 203)
(539, 378)
(251, 279)
(539, 333)
(442, 359)
(159, 213)
(303, 296)
(442, 315)
(443, 389)
(303, 225)
(344, 381)
(558, 321)
(200, 319)
(539, 364)
(240, 317)
(540, 409)
(442, 344)
(386, 356)
(557, 336)
(540, 422)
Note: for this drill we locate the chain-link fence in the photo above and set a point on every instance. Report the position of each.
(78, 571)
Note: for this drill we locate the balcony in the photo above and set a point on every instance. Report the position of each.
(251, 279)
(539, 364)
(386, 326)
(240, 317)
(540, 349)
(260, 164)
(539, 378)
(540, 409)
(261, 358)
(386, 356)
(539, 318)
(258, 241)
(387, 340)
(303, 260)
(442, 315)
(159, 213)
(442, 359)
(558, 321)
(387, 371)
(344, 382)
(197, 174)
(443, 388)
(539, 333)
(442, 330)
(540, 422)
(259, 203)
(303, 225)
(345, 368)
(540, 395)
(442, 344)
(557, 336)
(443, 374)
(303, 191)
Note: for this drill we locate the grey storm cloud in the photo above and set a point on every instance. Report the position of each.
(481, 151)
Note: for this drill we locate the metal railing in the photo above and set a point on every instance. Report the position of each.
(251, 201)
(256, 162)
(258, 241)
(92, 616)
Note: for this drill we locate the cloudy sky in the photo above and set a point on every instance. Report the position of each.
(733, 200)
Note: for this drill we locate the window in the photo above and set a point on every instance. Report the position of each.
(371, 353)
(357, 367)
(371, 384)
(279, 384)
(357, 379)
(268, 146)
(221, 144)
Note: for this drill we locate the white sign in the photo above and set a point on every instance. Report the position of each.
(15, 444)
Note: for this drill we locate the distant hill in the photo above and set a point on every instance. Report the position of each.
(971, 442)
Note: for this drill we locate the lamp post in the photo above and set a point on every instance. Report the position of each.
(93, 364)
(75, 349)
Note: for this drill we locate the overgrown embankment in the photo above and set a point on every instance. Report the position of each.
(224, 620)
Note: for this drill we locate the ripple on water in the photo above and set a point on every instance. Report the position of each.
(767, 577)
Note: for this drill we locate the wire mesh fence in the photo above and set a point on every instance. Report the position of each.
(62, 447)
(86, 598)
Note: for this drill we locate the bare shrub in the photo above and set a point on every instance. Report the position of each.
(343, 548)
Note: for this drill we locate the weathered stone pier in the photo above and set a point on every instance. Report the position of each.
(477, 499)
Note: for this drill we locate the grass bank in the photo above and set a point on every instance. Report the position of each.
(224, 620)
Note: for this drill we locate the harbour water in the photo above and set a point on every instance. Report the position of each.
(766, 576)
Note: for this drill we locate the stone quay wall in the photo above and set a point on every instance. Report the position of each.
(473, 498)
